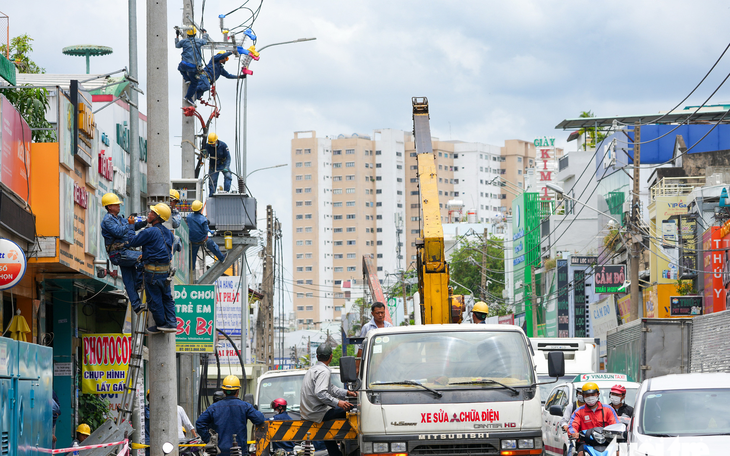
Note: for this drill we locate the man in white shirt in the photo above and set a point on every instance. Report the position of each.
(378, 321)
(183, 424)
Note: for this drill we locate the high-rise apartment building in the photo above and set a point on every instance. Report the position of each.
(358, 195)
(517, 157)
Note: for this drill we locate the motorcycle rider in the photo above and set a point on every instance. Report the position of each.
(618, 398)
(279, 406)
(592, 414)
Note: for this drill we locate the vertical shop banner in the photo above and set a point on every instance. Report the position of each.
(603, 319)
(563, 299)
(66, 129)
(105, 361)
(624, 309)
(15, 138)
(579, 299)
(228, 305)
(195, 308)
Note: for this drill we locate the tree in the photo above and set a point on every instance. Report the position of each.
(337, 354)
(466, 269)
(593, 135)
(30, 103)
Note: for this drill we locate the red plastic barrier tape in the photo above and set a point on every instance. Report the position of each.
(81, 448)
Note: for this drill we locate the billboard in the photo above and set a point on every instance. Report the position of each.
(563, 299)
(610, 278)
(195, 308)
(15, 139)
(104, 363)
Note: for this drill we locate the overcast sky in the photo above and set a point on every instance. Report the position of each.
(491, 70)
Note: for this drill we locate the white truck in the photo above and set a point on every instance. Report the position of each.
(581, 356)
(448, 389)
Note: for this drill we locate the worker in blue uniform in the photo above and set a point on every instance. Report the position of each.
(116, 231)
(479, 313)
(192, 61)
(157, 244)
(215, 69)
(279, 406)
(199, 231)
(227, 417)
(219, 161)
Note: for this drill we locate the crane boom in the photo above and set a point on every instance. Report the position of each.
(433, 271)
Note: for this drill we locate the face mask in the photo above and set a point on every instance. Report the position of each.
(591, 401)
(580, 397)
(615, 400)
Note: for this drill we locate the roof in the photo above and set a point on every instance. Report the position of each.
(443, 328)
(64, 80)
(705, 115)
(601, 377)
(689, 381)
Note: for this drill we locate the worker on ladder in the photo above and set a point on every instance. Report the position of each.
(219, 161)
(199, 231)
(215, 69)
(116, 231)
(157, 248)
(228, 417)
(192, 60)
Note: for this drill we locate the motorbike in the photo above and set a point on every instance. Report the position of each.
(191, 450)
(603, 441)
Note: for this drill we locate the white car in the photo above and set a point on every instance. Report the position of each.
(555, 441)
(682, 414)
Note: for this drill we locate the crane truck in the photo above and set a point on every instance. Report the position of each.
(439, 388)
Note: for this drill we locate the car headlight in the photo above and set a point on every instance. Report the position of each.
(509, 444)
(526, 443)
(398, 447)
(379, 447)
(367, 447)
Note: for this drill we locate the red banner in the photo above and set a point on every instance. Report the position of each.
(16, 139)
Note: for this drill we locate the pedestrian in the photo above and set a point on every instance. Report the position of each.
(191, 63)
(199, 231)
(479, 313)
(183, 423)
(157, 243)
(116, 232)
(227, 417)
(82, 432)
(279, 406)
(618, 402)
(219, 161)
(377, 321)
(320, 400)
(215, 69)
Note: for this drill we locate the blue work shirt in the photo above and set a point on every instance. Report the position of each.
(156, 242)
(192, 48)
(198, 227)
(147, 424)
(115, 228)
(215, 68)
(227, 417)
(218, 154)
(287, 446)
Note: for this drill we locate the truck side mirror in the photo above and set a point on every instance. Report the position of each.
(248, 398)
(555, 410)
(348, 369)
(556, 364)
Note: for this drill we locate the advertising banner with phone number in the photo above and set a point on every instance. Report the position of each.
(195, 309)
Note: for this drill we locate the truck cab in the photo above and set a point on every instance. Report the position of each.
(581, 356)
(448, 389)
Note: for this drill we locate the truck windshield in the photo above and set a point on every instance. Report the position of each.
(449, 360)
(286, 386)
(686, 412)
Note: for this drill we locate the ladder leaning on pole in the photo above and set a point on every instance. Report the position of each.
(133, 369)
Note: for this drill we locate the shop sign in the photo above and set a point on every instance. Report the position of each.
(105, 362)
(685, 306)
(563, 299)
(12, 264)
(195, 308)
(81, 196)
(228, 305)
(610, 278)
(582, 260)
(15, 139)
(546, 165)
(106, 169)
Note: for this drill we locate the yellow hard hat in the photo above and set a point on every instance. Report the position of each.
(192, 31)
(174, 194)
(480, 307)
(221, 52)
(212, 138)
(590, 387)
(196, 206)
(231, 382)
(110, 198)
(162, 209)
(83, 429)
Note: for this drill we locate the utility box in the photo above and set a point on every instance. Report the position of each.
(190, 190)
(233, 212)
(650, 347)
(26, 395)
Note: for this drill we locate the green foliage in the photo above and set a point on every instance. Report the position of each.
(337, 354)
(31, 103)
(612, 239)
(685, 287)
(593, 135)
(93, 410)
(466, 268)
(550, 264)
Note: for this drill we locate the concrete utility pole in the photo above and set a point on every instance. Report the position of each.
(264, 324)
(534, 303)
(405, 302)
(163, 384)
(484, 267)
(636, 247)
(134, 180)
(188, 123)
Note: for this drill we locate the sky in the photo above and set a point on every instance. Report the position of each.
(491, 70)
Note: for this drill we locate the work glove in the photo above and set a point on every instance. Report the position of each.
(212, 233)
(243, 76)
(177, 33)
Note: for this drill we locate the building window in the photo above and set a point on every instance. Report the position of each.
(336, 152)
(380, 242)
(337, 191)
(350, 151)
(308, 203)
(337, 243)
(351, 229)
(338, 308)
(350, 165)
(299, 177)
(307, 216)
(351, 269)
(300, 295)
(337, 204)
(299, 203)
(338, 256)
(379, 230)
(378, 178)
(337, 217)
(351, 256)
(300, 268)
(310, 307)
(308, 177)
(378, 204)
(307, 151)
(337, 165)
(413, 154)
(299, 152)
(300, 216)
(336, 178)
(308, 229)
(308, 269)
(415, 231)
(414, 180)
(298, 164)
(414, 193)
(300, 308)
(519, 159)
(351, 242)
(308, 242)
(299, 190)
(350, 216)
(300, 242)
(350, 178)
(337, 230)
(307, 255)
(300, 229)
(379, 217)
(300, 256)
(350, 204)
(308, 190)
(378, 165)
(307, 164)
(380, 255)
(380, 268)
(378, 152)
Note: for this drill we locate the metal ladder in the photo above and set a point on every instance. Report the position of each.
(133, 370)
